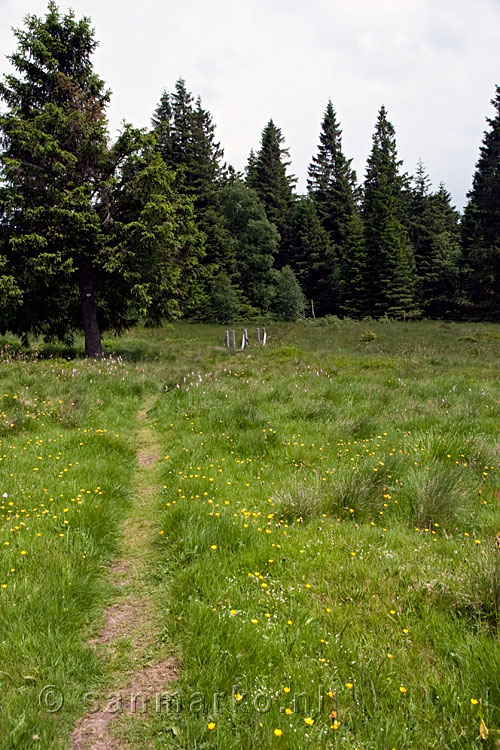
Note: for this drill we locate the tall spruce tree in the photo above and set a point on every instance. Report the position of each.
(182, 122)
(267, 173)
(54, 147)
(59, 175)
(185, 133)
(354, 281)
(162, 123)
(434, 233)
(251, 168)
(390, 273)
(153, 243)
(312, 257)
(332, 181)
(481, 226)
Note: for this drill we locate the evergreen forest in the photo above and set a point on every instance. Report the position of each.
(97, 235)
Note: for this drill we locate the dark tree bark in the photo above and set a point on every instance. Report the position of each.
(93, 346)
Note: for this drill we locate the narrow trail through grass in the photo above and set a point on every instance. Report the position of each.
(141, 666)
(308, 532)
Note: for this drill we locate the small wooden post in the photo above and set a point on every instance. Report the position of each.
(258, 335)
(312, 308)
(264, 337)
(226, 340)
(245, 336)
(234, 339)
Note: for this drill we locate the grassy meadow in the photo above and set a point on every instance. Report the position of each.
(324, 555)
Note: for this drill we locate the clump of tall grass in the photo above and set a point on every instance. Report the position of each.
(437, 495)
(355, 492)
(482, 593)
(350, 493)
(302, 501)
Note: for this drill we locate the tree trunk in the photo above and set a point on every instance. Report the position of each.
(93, 347)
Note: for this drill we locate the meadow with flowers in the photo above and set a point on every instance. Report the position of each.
(323, 555)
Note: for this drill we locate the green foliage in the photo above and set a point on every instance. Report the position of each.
(96, 236)
(332, 182)
(267, 174)
(288, 296)
(185, 135)
(312, 256)
(354, 283)
(255, 242)
(54, 138)
(481, 226)
(482, 592)
(64, 197)
(224, 299)
(390, 273)
(434, 233)
(10, 297)
(153, 247)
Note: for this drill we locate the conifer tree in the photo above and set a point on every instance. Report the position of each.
(267, 174)
(182, 147)
(11, 296)
(481, 225)
(354, 281)
(251, 168)
(162, 128)
(332, 181)
(312, 257)
(390, 278)
(58, 200)
(434, 233)
(153, 241)
(185, 134)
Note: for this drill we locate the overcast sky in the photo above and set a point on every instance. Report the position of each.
(432, 63)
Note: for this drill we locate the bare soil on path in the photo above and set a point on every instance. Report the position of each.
(130, 630)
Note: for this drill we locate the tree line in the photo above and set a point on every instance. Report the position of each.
(97, 235)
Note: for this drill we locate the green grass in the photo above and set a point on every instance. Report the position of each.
(66, 459)
(325, 528)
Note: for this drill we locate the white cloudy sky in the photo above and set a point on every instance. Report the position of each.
(433, 63)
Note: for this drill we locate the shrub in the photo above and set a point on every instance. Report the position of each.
(289, 299)
(224, 299)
